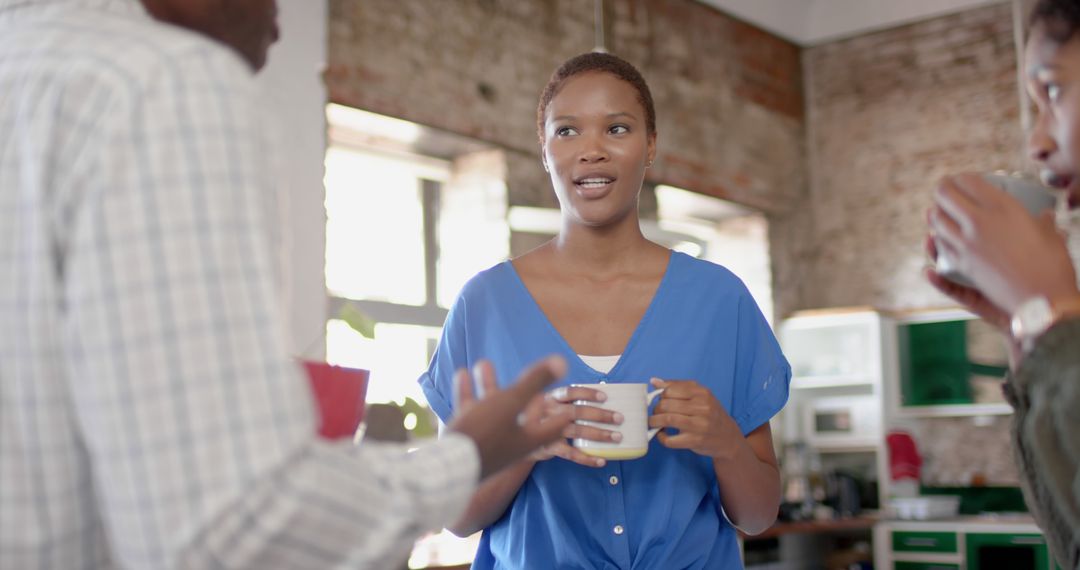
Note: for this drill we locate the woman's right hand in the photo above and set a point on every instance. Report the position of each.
(564, 398)
(972, 299)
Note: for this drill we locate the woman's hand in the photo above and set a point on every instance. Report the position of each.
(1008, 254)
(971, 299)
(561, 400)
(704, 425)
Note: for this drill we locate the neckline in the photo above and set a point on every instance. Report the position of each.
(573, 354)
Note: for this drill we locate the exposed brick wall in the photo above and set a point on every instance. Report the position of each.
(888, 114)
(728, 96)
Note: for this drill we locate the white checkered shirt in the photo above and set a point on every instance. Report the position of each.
(149, 416)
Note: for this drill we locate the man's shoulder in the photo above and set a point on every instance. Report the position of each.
(128, 52)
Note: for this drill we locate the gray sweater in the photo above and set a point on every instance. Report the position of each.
(1045, 392)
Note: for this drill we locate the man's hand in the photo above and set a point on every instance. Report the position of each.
(507, 425)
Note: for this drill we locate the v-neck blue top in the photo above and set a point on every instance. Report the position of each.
(661, 511)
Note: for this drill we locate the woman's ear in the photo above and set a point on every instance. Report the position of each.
(651, 149)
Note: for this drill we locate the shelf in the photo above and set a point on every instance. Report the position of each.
(845, 448)
(955, 410)
(830, 381)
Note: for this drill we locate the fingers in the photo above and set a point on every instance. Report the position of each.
(464, 395)
(591, 433)
(679, 389)
(571, 453)
(678, 441)
(597, 415)
(568, 394)
(685, 407)
(954, 208)
(677, 421)
(484, 373)
(930, 245)
(947, 231)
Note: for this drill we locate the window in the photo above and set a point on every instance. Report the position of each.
(405, 230)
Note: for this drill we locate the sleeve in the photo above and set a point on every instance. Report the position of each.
(452, 353)
(1049, 431)
(762, 373)
(199, 427)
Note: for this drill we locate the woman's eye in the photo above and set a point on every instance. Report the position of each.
(564, 131)
(618, 130)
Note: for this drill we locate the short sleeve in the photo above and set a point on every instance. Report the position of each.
(437, 381)
(762, 373)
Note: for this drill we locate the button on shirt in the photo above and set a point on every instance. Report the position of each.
(149, 416)
(662, 510)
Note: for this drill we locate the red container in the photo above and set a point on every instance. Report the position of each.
(339, 393)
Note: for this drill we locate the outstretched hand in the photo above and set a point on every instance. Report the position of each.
(507, 425)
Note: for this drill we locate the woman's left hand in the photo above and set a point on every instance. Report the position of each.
(704, 425)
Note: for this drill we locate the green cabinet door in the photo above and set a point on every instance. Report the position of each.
(925, 566)
(919, 541)
(1005, 550)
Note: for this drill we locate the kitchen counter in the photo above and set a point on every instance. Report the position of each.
(989, 522)
(815, 527)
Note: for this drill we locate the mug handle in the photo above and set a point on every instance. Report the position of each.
(648, 401)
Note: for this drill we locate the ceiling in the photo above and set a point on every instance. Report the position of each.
(811, 22)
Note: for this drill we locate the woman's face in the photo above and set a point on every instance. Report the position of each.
(596, 148)
(1053, 71)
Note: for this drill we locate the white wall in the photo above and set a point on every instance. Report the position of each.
(296, 98)
(811, 22)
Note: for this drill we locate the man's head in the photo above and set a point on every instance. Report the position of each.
(248, 26)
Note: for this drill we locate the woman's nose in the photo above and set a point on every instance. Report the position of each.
(1040, 144)
(593, 150)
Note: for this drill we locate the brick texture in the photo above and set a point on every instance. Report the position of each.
(728, 96)
(888, 114)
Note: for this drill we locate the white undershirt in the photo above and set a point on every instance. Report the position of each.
(601, 364)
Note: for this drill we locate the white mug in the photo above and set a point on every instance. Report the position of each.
(1035, 197)
(632, 401)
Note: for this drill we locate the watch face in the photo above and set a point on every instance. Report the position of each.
(1033, 316)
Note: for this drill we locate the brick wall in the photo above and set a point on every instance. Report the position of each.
(888, 114)
(728, 96)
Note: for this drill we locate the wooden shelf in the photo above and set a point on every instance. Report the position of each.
(815, 527)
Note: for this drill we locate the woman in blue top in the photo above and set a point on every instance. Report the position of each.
(620, 309)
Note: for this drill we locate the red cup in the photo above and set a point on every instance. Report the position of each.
(339, 393)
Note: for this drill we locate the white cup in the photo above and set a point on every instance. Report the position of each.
(1035, 197)
(632, 401)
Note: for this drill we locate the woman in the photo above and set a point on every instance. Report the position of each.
(1025, 282)
(620, 309)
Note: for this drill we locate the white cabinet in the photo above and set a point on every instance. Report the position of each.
(841, 360)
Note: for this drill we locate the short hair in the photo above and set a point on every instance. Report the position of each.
(598, 62)
(1060, 19)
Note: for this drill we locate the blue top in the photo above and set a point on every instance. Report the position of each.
(662, 510)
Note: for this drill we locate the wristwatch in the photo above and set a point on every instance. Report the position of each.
(1037, 314)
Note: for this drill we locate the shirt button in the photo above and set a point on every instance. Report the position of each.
(613, 480)
(618, 529)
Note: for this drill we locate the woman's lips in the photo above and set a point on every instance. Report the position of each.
(594, 187)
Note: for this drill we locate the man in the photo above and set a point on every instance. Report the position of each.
(149, 417)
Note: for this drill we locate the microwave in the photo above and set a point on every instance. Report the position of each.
(842, 421)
